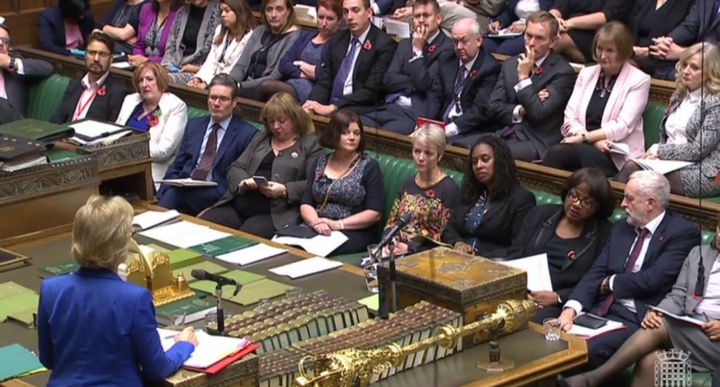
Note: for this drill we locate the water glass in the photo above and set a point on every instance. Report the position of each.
(552, 327)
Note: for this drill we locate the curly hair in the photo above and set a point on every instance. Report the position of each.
(504, 176)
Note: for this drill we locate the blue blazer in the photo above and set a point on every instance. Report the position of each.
(52, 30)
(287, 68)
(670, 244)
(237, 137)
(96, 329)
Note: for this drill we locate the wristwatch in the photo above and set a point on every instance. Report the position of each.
(584, 138)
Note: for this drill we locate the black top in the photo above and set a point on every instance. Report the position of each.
(647, 22)
(598, 101)
(558, 250)
(259, 59)
(192, 28)
(253, 202)
(613, 9)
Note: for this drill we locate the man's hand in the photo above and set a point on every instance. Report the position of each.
(273, 190)
(712, 329)
(652, 320)
(402, 13)
(605, 286)
(661, 46)
(566, 319)
(526, 61)
(463, 247)
(494, 26)
(543, 94)
(544, 298)
(420, 37)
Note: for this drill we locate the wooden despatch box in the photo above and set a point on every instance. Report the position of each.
(471, 285)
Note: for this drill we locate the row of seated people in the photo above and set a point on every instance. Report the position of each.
(184, 36)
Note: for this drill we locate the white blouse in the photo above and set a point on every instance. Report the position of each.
(676, 123)
(214, 65)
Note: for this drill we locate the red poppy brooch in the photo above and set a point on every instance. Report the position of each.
(431, 48)
(538, 70)
(473, 74)
(430, 193)
(367, 45)
(153, 119)
(102, 91)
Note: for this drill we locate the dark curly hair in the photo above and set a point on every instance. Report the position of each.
(598, 187)
(504, 176)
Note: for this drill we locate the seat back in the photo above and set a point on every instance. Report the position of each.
(652, 119)
(44, 97)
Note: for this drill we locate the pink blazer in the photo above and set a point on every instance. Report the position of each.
(622, 119)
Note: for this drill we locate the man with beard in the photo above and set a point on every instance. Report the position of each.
(97, 95)
(637, 267)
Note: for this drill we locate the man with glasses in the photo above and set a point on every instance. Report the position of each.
(16, 74)
(98, 95)
(637, 267)
(210, 144)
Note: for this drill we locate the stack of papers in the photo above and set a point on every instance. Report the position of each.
(659, 166)
(320, 245)
(686, 319)
(184, 234)
(251, 254)
(150, 219)
(538, 272)
(210, 349)
(90, 130)
(187, 182)
(305, 267)
(588, 333)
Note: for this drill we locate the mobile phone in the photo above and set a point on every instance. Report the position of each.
(591, 321)
(260, 180)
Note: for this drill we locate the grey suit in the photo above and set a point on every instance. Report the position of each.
(680, 300)
(698, 179)
(276, 52)
(16, 85)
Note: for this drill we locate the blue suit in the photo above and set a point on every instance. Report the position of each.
(96, 329)
(52, 30)
(192, 200)
(670, 244)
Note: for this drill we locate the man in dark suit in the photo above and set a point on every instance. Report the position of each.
(465, 79)
(356, 61)
(16, 74)
(637, 267)
(702, 23)
(531, 93)
(98, 95)
(408, 79)
(209, 146)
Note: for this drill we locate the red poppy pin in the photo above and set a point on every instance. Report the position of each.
(538, 70)
(432, 48)
(153, 119)
(367, 45)
(102, 91)
(430, 193)
(572, 255)
(473, 74)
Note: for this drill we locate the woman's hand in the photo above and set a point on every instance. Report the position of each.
(712, 329)
(518, 26)
(544, 298)
(651, 153)
(566, 319)
(307, 70)
(248, 185)
(494, 26)
(273, 190)
(563, 24)
(136, 59)
(641, 51)
(402, 13)
(602, 145)
(325, 226)
(197, 82)
(190, 68)
(576, 139)
(463, 247)
(187, 334)
(652, 320)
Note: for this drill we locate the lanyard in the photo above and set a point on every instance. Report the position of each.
(81, 108)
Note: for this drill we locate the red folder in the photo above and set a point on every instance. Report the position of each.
(220, 365)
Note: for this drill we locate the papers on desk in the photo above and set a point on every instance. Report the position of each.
(399, 28)
(305, 267)
(122, 65)
(210, 349)
(102, 140)
(320, 245)
(150, 219)
(184, 234)
(188, 182)
(538, 272)
(504, 34)
(305, 12)
(686, 319)
(251, 254)
(659, 166)
(588, 333)
(91, 130)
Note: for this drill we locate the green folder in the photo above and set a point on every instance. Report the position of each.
(210, 267)
(37, 130)
(183, 257)
(167, 314)
(59, 156)
(18, 303)
(17, 360)
(59, 269)
(223, 246)
(258, 290)
(11, 289)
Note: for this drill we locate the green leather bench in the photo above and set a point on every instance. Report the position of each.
(45, 96)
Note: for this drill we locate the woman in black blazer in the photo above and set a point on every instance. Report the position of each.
(572, 235)
(493, 204)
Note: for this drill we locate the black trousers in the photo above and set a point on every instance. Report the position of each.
(259, 224)
(572, 157)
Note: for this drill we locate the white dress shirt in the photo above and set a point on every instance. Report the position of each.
(348, 86)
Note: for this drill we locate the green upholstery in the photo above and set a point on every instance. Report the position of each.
(542, 197)
(194, 112)
(652, 119)
(45, 96)
(395, 170)
(699, 379)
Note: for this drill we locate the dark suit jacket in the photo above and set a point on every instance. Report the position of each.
(88, 311)
(478, 85)
(370, 66)
(237, 137)
(291, 167)
(103, 107)
(508, 16)
(414, 78)
(665, 255)
(52, 30)
(499, 226)
(544, 118)
(17, 85)
(700, 24)
(537, 229)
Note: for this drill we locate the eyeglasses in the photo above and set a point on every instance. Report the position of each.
(586, 201)
(101, 54)
(221, 98)
(5, 41)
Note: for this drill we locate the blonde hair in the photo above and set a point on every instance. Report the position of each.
(102, 229)
(431, 134)
(710, 67)
(283, 104)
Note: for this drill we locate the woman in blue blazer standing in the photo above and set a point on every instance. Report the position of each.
(93, 327)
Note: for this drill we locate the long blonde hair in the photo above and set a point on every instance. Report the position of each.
(710, 66)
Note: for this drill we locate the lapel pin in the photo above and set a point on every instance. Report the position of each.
(294, 155)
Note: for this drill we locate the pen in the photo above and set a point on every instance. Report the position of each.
(706, 317)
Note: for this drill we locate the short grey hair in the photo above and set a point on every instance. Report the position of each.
(470, 23)
(653, 184)
(431, 134)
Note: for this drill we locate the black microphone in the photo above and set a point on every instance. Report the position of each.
(204, 275)
(401, 223)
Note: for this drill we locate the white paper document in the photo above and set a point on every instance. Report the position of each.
(306, 267)
(149, 219)
(210, 349)
(91, 129)
(505, 33)
(538, 272)
(184, 234)
(687, 319)
(589, 333)
(251, 254)
(619, 148)
(102, 140)
(188, 182)
(401, 29)
(320, 245)
(122, 65)
(661, 166)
